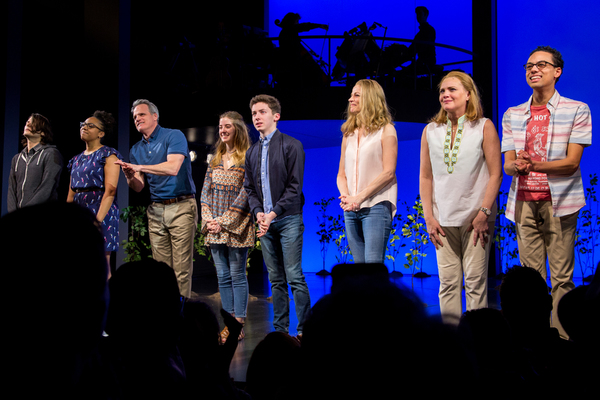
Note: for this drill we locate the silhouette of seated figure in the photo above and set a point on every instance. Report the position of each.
(368, 337)
(54, 301)
(542, 357)
(296, 64)
(274, 369)
(579, 313)
(486, 335)
(206, 360)
(143, 325)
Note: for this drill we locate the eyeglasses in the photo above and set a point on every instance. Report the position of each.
(89, 125)
(539, 65)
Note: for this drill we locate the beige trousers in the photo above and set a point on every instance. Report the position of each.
(458, 258)
(542, 236)
(172, 229)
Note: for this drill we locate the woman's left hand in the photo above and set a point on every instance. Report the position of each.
(481, 227)
(213, 226)
(350, 203)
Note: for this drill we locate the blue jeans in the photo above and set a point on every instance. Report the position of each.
(282, 252)
(231, 273)
(368, 231)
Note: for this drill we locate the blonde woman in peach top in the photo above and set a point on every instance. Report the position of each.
(367, 173)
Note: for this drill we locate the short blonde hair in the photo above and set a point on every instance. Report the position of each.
(474, 108)
(374, 112)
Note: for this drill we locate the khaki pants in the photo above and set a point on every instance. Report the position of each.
(540, 235)
(172, 229)
(457, 258)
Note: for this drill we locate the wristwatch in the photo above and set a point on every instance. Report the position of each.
(485, 211)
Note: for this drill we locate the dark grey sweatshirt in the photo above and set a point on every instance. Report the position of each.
(34, 176)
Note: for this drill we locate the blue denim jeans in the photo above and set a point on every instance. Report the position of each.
(282, 253)
(231, 273)
(368, 231)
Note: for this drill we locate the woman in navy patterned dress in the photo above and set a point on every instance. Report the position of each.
(95, 177)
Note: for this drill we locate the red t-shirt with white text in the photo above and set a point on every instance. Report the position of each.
(534, 187)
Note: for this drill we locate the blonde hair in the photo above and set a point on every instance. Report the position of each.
(241, 141)
(474, 109)
(374, 113)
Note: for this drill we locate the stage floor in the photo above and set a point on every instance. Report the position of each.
(260, 308)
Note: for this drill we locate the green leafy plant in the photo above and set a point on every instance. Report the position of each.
(252, 249)
(588, 231)
(326, 229)
(200, 246)
(505, 235)
(137, 245)
(341, 240)
(396, 241)
(415, 230)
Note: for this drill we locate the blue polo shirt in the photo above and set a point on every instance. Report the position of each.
(155, 150)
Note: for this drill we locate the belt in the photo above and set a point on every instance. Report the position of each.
(91, 189)
(176, 199)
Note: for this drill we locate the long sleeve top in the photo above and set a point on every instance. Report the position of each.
(225, 200)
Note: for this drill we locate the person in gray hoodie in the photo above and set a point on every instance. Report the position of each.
(35, 171)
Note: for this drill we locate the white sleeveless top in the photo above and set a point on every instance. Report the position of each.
(457, 197)
(363, 163)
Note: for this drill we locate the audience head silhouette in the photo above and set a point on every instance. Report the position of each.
(350, 342)
(525, 301)
(54, 298)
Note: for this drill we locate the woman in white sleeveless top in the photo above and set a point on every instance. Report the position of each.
(461, 172)
(367, 173)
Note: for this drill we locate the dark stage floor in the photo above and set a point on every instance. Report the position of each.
(260, 309)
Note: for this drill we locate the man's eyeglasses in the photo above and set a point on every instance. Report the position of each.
(89, 125)
(539, 65)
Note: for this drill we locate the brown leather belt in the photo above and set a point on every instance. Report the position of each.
(176, 199)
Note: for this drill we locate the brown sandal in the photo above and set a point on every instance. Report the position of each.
(242, 334)
(224, 335)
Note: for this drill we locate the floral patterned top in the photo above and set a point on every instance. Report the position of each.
(225, 200)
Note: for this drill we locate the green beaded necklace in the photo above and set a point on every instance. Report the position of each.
(450, 158)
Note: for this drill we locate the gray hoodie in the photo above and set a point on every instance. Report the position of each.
(34, 176)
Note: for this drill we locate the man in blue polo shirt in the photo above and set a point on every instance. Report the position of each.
(162, 160)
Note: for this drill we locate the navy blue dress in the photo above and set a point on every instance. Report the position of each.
(87, 173)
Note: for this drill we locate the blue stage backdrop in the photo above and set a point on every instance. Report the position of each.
(571, 28)
(451, 20)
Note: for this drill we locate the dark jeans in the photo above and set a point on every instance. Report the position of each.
(282, 252)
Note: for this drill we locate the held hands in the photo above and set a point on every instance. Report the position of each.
(435, 231)
(523, 163)
(213, 226)
(349, 203)
(264, 222)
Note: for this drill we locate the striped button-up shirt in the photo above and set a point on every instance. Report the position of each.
(570, 122)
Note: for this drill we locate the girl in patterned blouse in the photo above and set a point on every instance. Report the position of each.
(226, 219)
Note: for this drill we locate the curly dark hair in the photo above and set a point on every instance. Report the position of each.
(557, 59)
(108, 122)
